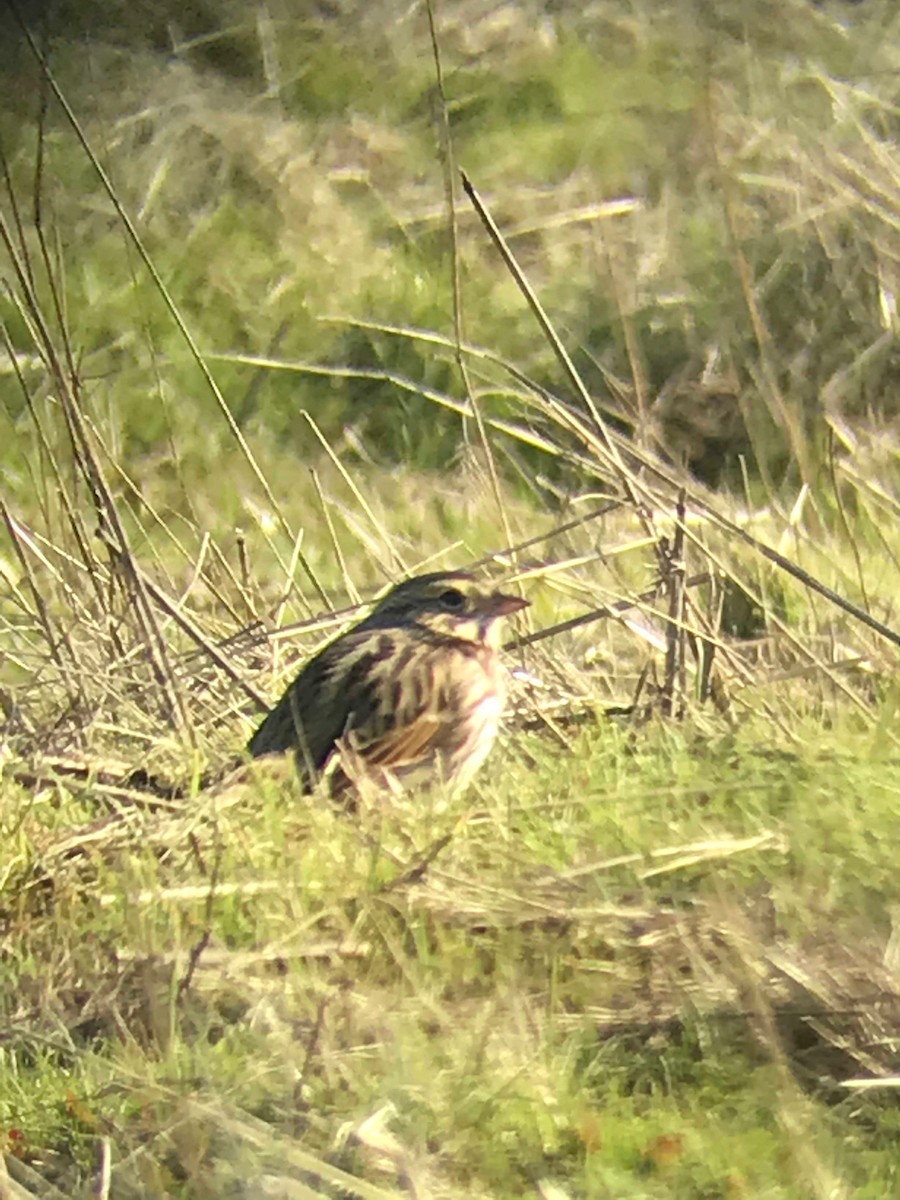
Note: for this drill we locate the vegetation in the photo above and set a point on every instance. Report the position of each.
(258, 362)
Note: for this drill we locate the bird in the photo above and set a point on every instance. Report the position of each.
(411, 695)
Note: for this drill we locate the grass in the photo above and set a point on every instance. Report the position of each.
(653, 951)
(601, 980)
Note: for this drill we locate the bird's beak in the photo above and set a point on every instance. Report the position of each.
(501, 605)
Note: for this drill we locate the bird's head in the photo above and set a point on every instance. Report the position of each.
(452, 603)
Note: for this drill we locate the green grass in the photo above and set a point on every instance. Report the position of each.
(587, 985)
(647, 955)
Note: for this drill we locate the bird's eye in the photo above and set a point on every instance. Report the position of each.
(452, 599)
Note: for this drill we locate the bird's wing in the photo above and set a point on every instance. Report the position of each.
(333, 691)
(406, 743)
(376, 689)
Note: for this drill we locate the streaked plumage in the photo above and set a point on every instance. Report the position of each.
(413, 693)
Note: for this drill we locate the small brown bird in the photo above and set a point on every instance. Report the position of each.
(412, 694)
